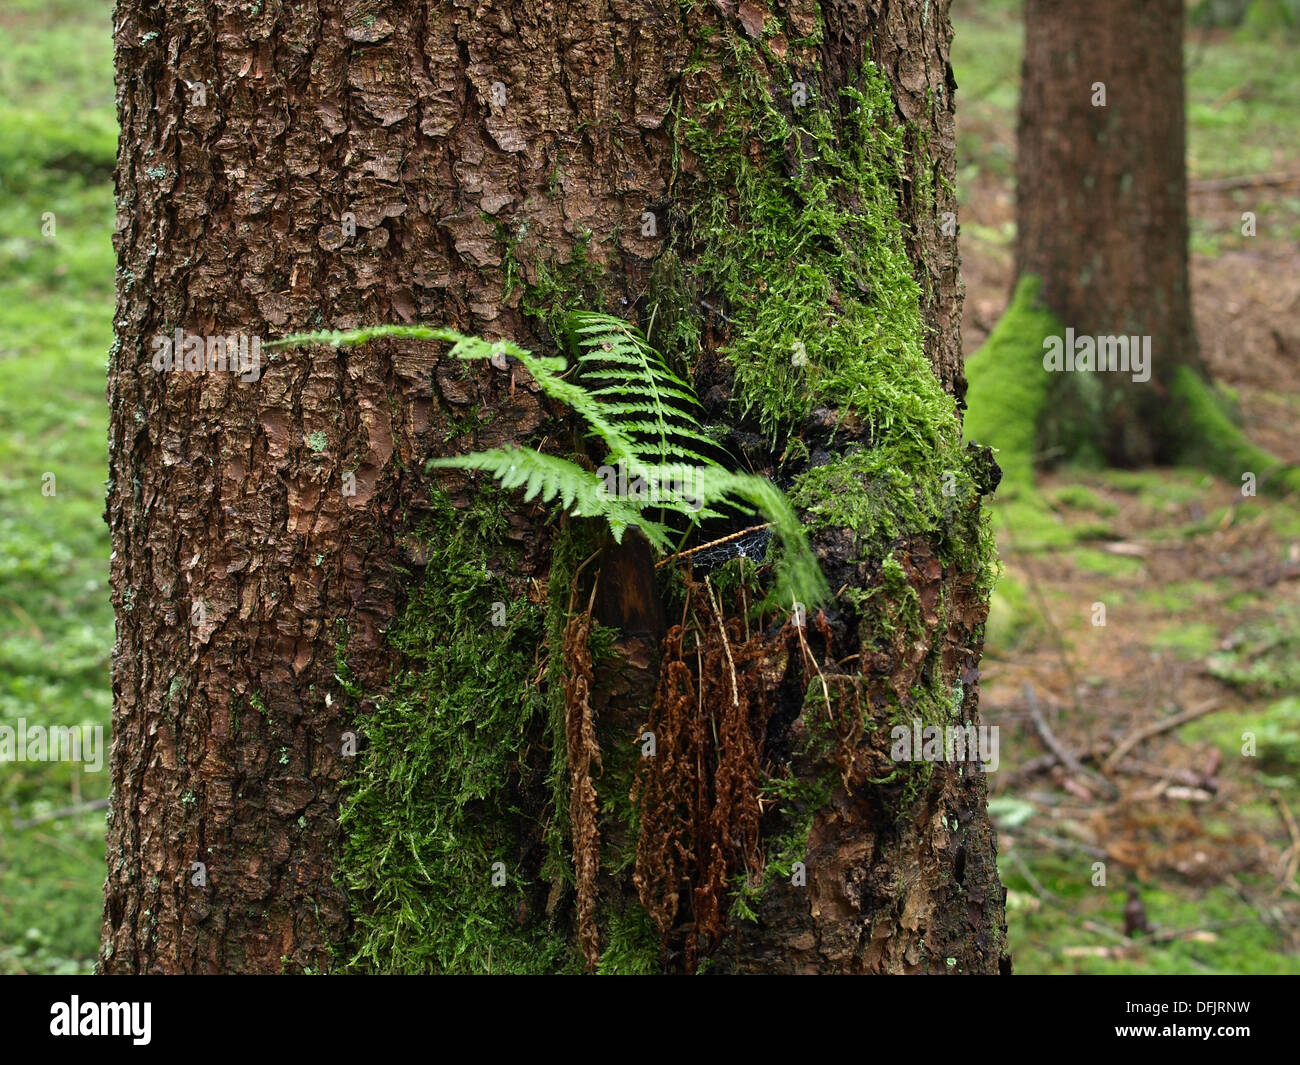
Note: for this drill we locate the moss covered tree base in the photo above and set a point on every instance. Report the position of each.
(1213, 440)
(1029, 415)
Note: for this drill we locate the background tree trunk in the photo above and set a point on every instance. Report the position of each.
(1102, 202)
(499, 165)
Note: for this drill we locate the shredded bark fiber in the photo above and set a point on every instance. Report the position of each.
(698, 798)
(583, 754)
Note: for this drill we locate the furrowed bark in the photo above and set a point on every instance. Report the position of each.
(261, 526)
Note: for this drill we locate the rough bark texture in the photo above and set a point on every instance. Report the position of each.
(477, 148)
(1102, 199)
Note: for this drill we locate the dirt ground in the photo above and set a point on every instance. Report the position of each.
(1189, 572)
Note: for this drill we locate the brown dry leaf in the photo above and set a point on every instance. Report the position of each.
(751, 18)
(698, 796)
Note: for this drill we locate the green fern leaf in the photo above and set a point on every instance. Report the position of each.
(581, 493)
(646, 417)
(609, 349)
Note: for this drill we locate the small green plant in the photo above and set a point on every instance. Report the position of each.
(645, 417)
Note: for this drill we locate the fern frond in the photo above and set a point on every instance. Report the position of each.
(581, 492)
(610, 349)
(546, 371)
(336, 338)
(545, 475)
(647, 418)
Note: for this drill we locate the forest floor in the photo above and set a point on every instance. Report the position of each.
(1199, 584)
(58, 143)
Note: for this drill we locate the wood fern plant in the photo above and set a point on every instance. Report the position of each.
(658, 461)
(662, 475)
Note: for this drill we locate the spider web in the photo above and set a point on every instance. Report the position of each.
(752, 545)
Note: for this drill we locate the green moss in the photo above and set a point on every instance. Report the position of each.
(881, 501)
(562, 287)
(1263, 654)
(1024, 412)
(799, 800)
(444, 775)
(673, 326)
(1173, 598)
(1275, 727)
(1164, 490)
(1008, 398)
(633, 948)
(1081, 497)
(1213, 441)
(793, 227)
(1191, 641)
(888, 604)
(796, 232)
(1012, 620)
(1045, 937)
(1007, 388)
(1265, 19)
(566, 555)
(1106, 564)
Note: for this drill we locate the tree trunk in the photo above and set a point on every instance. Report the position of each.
(1102, 206)
(279, 547)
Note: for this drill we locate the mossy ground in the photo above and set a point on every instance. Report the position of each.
(57, 152)
(1171, 552)
(1187, 621)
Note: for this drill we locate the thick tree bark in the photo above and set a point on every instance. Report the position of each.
(259, 526)
(1102, 201)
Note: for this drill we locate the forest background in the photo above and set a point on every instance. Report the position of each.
(1200, 581)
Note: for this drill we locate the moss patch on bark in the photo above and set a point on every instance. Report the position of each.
(440, 875)
(788, 227)
(793, 233)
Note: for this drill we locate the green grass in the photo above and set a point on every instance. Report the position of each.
(1051, 936)
(57, 146)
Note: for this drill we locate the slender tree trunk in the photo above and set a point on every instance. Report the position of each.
(1102, 202)
(287, 168)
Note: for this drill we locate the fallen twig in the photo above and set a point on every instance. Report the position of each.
(1058, 749)
(1155, 729)
(1289, 863)
(66, 811)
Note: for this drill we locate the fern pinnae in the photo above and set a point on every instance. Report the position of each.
(647, 419)
(581, 492)
(601, 339)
